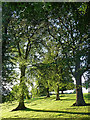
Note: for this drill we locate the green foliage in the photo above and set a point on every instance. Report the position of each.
(16, 91)
(38, 90)
(82, 9)
(86, 84)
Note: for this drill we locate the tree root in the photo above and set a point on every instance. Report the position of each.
(58, 99)
(47, 96)
(18, 108)
(86, 104)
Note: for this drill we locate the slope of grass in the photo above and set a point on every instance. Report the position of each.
(43, 107)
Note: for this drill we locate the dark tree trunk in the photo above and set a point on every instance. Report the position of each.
(79, 95)
(21, 105)
(62, 92)
(48, 95)
(57, 95)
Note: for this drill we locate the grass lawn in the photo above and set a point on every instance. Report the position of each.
(43, 107)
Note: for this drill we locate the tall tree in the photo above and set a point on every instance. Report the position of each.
(25, 45)
(72, 37)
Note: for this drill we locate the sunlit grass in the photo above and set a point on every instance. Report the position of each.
(43, 107)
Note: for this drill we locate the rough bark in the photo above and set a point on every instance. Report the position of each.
(79, 94)
(57, 95)
(21, 105)
(48, 95)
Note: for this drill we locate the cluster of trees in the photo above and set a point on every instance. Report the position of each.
(50, 44)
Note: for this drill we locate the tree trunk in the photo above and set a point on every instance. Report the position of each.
(79, 95)
(57, 95)
(48, 95)
(62, 92)
(21, 105)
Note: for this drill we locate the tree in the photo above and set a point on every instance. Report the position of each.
(56, 69)
(26, 46)
(8, 72)
(43, 76)
(72, 37)
(79, 52)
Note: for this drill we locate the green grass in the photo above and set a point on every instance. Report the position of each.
(43, 107)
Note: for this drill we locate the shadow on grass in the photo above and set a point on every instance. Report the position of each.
(87, 96)
(33, 99)
(84, 118)
(67, 99)
(54, 111)
(40, 98)
(50, 98)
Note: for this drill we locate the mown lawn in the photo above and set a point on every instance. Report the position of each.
(43, 107)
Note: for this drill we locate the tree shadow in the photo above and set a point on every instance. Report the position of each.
(86, 104)
(54, 111)
(87, 96)
(67, 99)
(32, 100)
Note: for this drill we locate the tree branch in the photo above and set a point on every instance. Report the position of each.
(19, 49)
(28, 49)
(29, 43)
(62, 47)
(64, 24)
